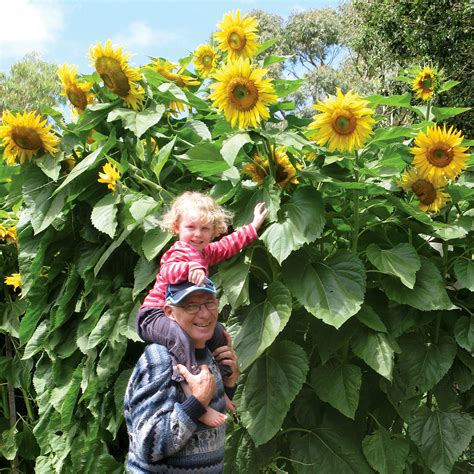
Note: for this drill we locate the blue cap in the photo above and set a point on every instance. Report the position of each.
(177, 292)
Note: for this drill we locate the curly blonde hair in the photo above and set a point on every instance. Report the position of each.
(201, 207)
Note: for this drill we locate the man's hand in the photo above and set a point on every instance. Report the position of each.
(202, 385)
(227, 356)
(197, 276)
(259, 214)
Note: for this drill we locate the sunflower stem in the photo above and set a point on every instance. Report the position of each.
(355, 230)
(428, 110)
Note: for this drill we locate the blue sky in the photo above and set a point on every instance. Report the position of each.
(63, 30)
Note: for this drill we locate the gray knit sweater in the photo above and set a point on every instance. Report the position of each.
(164, 432)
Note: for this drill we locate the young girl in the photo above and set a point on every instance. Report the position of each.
(197, 219)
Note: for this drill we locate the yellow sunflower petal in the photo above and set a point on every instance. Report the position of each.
(109, 175)
(425, 83)
(205, 59)
(77, 92)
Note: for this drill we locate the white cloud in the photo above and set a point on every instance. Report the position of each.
(28, 25)
(140, 35)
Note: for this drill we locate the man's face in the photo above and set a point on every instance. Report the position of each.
(198, 325)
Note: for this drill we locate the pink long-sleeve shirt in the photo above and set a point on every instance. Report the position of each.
(181, 258)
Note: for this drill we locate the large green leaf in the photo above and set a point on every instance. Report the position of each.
(429, 292)
(376, 350)
(262, 324)
(283, 87)
(159, 162)
(333, 447)
(401, 261)
(271, 385)
(464, 332)
(234, 277)
(104, 215)
(371, 319)
(204, 159)
(338, 384)
(154, 241)
(332, 289)
(143, 274)
(423, 364)
(443, 113)
(464, 271)
(231, 146)
(441, 437)
(50, 165)
(138, 122)
(38, 196)
(386, 453)
(37, 340)
(303, 222)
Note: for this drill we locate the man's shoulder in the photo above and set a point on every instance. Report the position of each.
(155, 358)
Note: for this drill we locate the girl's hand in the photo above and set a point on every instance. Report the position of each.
(259, 214)
(197, 276)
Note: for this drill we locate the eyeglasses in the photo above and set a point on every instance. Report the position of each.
(193, 308)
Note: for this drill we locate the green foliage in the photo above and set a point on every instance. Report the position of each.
(352, 314)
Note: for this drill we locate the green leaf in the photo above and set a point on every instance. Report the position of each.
(446, 86)
(104, 215)
(137, 122)
(464, 333)
(274, 59)
(159, 162)
(443, 113)
(455, 230)
(231, 147)
(204, 159)
(283, 87)
(38, 196)
(200, 128)
(376, 350)
(423, 364)
(371, 319)
(37, 340)
(234, 276)
(262, 324)
(401, 261)
(303, 223)
(50, 165)
(264, 46)
(392, 133)
(143, 274)
(93, 115)
(333, 447)
(386, 453)
(429, 292)
(116, 243)
(154, 241)
(338, 384)
(271, 385)
(8, 445)
(464, 271)
(403, 100)
(332, 289)
(172, 91)
(441, 437)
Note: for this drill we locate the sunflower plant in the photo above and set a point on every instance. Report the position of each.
(352, 315)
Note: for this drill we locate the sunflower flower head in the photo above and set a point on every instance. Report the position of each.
(77, 92)
(8, 234)
(285, 172)
(205, 59)
(345, 122)
(119, 77)
(242, 93)
(237, 35)
(109, 175)
(429, 191)
(425, 83)
(13, 280)
(24, 135)
(439, 152)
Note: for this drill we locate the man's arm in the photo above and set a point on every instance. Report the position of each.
(158, 424)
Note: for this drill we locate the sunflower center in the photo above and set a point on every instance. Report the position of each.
(27, 138)
(112, 74)
(77, 97)
(424, 191)
(236, 39)
(427, 83)
(440, 155)
(343, 122)
(207, 60)
(243, 94)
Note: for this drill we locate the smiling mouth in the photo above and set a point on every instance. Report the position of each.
(202, 325)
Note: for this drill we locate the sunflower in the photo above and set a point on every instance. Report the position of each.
(205, 59)
(242, 93)
(77, 92)
(438, 153)
(425, 83)
(428, 190)
(237, 36)
(345, 122)
(112, 66)
(13, 280)
(8, 234)
(24, 134)
(110, 174)
(285, 172)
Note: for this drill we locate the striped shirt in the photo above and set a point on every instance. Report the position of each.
(182, 257)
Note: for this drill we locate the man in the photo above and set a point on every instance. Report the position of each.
(164, 431)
